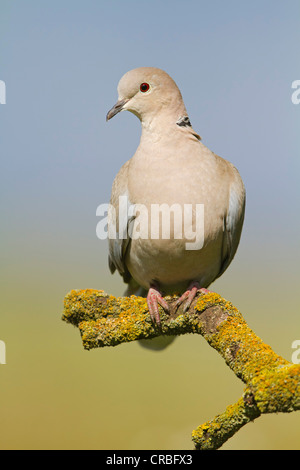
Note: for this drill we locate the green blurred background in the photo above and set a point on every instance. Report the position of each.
(61, 61)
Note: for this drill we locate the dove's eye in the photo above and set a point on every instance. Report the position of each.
(144, 87)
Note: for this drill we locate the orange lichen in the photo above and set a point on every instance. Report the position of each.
(272, 383)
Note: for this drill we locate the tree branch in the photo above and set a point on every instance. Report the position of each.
(272, 383)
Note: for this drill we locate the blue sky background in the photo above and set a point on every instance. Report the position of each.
(234, 62)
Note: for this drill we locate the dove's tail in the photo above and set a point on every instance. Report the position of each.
(157, 344)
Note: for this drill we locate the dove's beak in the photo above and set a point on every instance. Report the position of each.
(116, 109)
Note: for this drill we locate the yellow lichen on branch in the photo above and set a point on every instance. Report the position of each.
(272, 383)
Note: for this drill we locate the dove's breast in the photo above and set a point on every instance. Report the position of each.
(184, 196)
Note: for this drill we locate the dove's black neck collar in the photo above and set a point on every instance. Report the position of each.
(184, 121)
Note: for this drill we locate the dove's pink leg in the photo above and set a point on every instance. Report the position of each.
(154, 298)
(190, 294)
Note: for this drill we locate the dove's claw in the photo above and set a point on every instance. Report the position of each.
(154, 298)
(189, 295)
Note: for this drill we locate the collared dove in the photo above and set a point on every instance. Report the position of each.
(171, 166)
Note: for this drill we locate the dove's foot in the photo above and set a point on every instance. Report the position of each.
(190, 294)
(155, 298)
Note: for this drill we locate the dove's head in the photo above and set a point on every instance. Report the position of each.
(146, 92)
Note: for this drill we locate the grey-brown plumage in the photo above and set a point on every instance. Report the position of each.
(172, 166)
